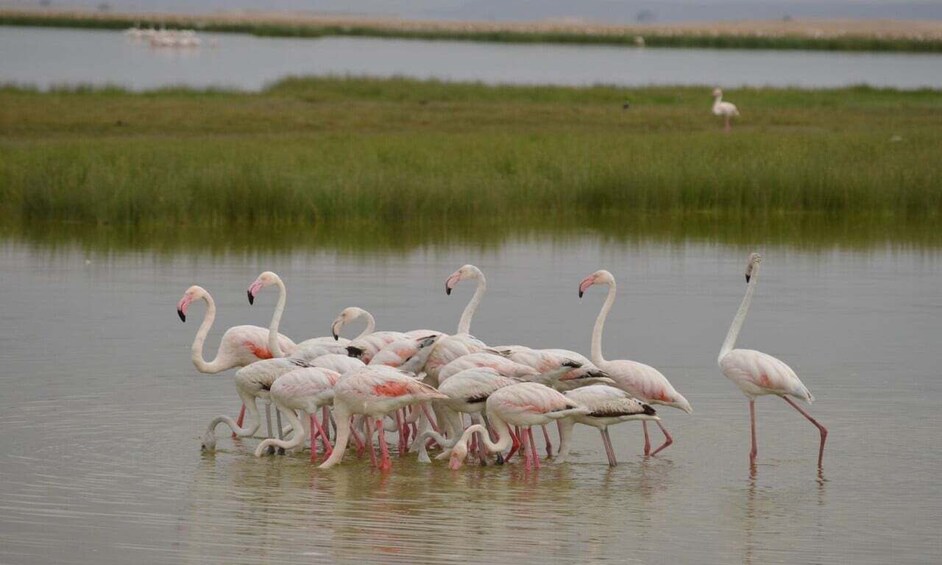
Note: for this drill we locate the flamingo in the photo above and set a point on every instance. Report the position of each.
(609, 406)
(522, 405)
(403, 350)
(637, 379)
(306, 390)
(462, 343)
(240, 345)
(757, 373)
(725, 109)
(298, 351)
(584, 372)
(374, 392)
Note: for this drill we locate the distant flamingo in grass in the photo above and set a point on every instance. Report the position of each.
(522, 405)
(637, 379)
(757, 373)
(374, 392)
(725, 109)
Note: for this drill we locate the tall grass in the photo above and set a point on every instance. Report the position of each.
(362, 152)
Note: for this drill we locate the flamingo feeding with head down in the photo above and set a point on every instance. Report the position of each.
(374, 392)
(725, 109)
(637, 379)
(609, 406)
(757, 373)
(522, 405)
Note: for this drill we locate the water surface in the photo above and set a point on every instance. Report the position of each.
(49, 57)
(102, 410)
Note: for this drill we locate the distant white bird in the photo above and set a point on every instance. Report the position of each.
(725, 109)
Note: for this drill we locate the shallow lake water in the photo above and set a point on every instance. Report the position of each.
(102, 411)
(50, 57)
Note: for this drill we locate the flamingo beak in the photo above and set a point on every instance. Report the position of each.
(333, 330)
(182, 307)
(748, 276)
(452, 281)
(253, 290)
(585, 284)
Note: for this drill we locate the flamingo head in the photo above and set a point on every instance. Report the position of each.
(717, 92)
(193, 293)
(344, 318)
(267, 278)
(752, 265)
(464, 273)
(598, 277)
(458, 454)
(424, 347)
(209, 442)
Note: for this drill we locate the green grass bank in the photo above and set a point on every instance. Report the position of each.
(382, 154)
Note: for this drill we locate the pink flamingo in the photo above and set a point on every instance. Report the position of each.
(544, 360)
(609, 406)
(374, 392)
(522, 405)
(403, 350)
(462, 343)
(637, 379)
(757, 373)
(305, 390)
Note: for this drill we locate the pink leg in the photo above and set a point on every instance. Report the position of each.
(609, 450)
(325, 441)
(240, 420)
(515, 445)
(313, 439)
(524, 448)
(369, 441)
(361, 446)
(533, 453)
(385, 464)
(647, 440)
(822, 429)
(401, 434)
(667, 439)
(752, 421)
(431, 420)
(549, 446)
(326, 421)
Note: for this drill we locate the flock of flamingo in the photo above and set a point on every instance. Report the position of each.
(165, 37)
(425, 386)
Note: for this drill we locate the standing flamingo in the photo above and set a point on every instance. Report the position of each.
(609, 406)
(757, 373)
(240, 345)
(306, 390)
(462, 343)
(637, 379)
(374, 392)
(522, 405)
(725, 109)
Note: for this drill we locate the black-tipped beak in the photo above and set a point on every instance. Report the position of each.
(251, 296)
(336, 337)
(572, 364)
(447, 289)
(747, 279)
(648, 410)
(580, 293)
(600, 374)
(181, 314)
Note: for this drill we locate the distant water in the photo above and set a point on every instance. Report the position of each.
(48, 57)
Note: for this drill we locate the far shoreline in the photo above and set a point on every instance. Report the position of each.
(831, 35)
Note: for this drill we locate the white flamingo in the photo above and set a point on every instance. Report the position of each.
(725, 109)
(462, 343)
(757, 373)
(637, 379)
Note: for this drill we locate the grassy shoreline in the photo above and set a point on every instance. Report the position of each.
(373, 156)
(898, 36)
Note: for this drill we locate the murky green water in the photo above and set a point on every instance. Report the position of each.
(101, 410)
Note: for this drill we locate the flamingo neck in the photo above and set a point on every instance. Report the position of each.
(500, 426)
(196, 350)
(464, 324)
(342, 419)
(740, 318)
(370, 324)
(600, 325)
(274, 344)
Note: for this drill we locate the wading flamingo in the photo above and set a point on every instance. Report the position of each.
(305, 390)
(609, 406)
(543, 360)
(522, 405)
(641, 381)
(757, 373)
(725, 109)
(374, 392)
(462, 343)
(240, 345)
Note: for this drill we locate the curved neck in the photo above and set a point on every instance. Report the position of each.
(600, 324)
(464, 324)
(370, 324)
(196, 350)
(500, 426)
(733, 333)
(273, 342)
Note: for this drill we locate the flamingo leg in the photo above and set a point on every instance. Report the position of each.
(822, 429)
(647, 440)
(361, 445)
(667, 439)
(752, 422)
(549, 446)
(313, 439)
(325, 441)
(516, 443)
(533, 453)
(524, 448)
(431, 420)
(326, 423)
(271, 448)
(385, 463)
(241, 419)
(281, 432)
(402, 433)
(728, 127)
(369, 440)
(609, 450)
